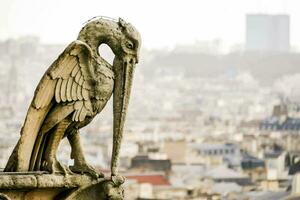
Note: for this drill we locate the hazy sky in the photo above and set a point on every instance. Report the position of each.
(162, 23)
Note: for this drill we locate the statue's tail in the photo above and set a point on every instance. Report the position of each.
(12, 163)
(19, 160)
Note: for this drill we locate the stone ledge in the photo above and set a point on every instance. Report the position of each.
(17, 180)
(44, 186)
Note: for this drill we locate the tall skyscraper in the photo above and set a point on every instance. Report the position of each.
(268, 33)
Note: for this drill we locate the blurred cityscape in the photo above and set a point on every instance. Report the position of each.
(201, 124)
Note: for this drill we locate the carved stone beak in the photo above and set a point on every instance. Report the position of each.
(123, 69)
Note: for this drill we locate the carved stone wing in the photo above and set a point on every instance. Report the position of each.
(69, 81)
(73, 74)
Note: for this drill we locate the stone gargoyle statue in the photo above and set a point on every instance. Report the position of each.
(74, 89)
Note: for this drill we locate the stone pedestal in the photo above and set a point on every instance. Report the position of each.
(42, 186)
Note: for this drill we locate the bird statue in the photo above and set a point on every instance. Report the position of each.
(74, 89)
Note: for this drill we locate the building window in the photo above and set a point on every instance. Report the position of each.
(221, 151)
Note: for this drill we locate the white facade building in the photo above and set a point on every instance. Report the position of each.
(267, 33)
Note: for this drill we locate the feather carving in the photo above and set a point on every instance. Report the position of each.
(68, 79)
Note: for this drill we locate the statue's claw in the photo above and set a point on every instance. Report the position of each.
(54, 167)
(86, 169)
(118, 179)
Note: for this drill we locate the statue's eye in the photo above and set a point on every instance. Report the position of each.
(129, 45)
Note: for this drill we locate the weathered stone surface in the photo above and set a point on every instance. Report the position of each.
(74, 89)
(25, 181)
(104, 190)
(79, 180)
(6, 182)
(50, 181)
(22, 186)
(28, 181)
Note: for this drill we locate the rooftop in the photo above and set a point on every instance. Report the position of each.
(275, 123)
(156, 180)
(223, 172)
